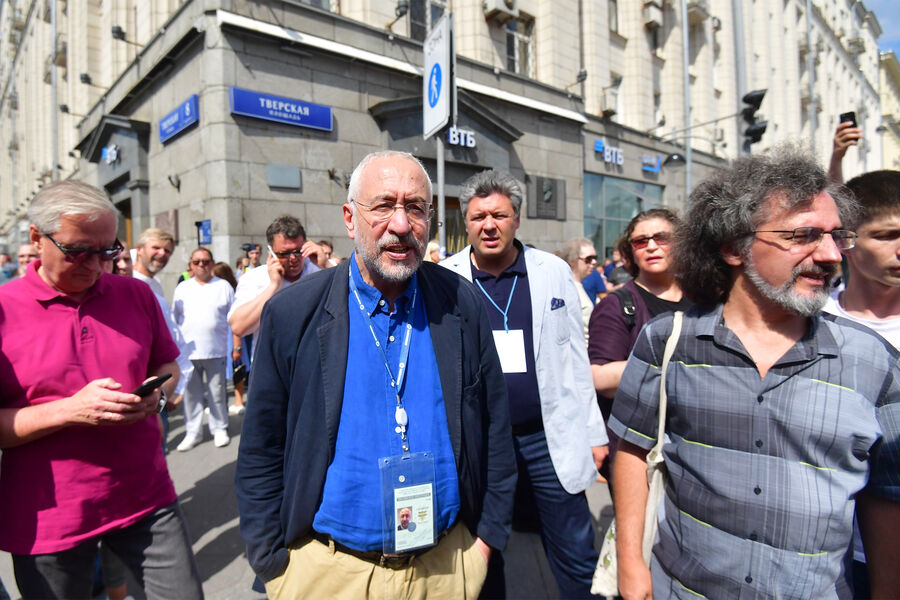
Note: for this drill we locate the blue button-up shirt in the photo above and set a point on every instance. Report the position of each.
(351, 501)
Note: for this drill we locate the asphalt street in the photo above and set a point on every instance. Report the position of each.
(204, 481)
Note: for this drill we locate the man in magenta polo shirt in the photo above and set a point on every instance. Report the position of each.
(81, 457)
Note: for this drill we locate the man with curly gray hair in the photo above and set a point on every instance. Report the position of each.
(780, 419)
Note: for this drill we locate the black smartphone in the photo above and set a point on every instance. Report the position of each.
(146, 388)
(849, 116)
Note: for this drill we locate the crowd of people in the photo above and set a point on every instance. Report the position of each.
(403, 411)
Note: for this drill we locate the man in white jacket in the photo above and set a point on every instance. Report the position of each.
(558, 432)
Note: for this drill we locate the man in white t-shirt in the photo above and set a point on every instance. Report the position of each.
(291, 256)
(872, 294)
(200, 308)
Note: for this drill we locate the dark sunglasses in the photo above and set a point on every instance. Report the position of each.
(80, 254)
(201, 261)
(589, 259)
(296, 252)
(662, 238)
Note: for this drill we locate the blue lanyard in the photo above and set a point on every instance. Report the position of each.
(400, 415)
(505, 313)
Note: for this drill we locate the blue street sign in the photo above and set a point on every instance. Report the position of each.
(434, 85)
(204, 232)
(282, 110)
(179, 119)
(438, 96)
(651, 164)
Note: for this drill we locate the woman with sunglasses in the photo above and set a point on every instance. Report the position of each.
(617, 320)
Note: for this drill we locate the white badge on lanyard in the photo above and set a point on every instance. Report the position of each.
(510, 343)
(511, 348)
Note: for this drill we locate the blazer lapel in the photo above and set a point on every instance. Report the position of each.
(333, 338)
(538, 288)
(444, 325)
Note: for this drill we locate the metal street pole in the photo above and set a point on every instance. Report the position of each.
(685, 40)
(54, 117)
(740, 68)
(813, 106)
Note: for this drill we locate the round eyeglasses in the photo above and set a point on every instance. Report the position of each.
(417, 212)
(806, 236)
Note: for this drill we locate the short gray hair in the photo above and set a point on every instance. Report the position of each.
(66, 198)
(492, 181)
(353, 187)
(571, 252)
(154, 233)
(726, 208)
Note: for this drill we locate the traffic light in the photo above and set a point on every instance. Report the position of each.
(755, 129)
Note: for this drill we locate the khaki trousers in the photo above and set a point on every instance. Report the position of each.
(453, 569)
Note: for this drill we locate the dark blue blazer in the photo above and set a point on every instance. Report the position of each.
(297, 388)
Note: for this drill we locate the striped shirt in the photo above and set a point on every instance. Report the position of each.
(763, 472)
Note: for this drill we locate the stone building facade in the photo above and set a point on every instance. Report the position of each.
(890, 110)
(569, 95)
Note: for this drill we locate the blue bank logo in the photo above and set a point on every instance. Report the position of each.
(434, 85)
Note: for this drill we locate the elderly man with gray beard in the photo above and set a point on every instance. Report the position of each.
(332, 450)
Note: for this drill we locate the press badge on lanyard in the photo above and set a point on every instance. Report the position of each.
(407, 480)
(510, 344)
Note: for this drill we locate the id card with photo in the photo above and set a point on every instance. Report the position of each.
(415, 516)
(408, 509)
(511, 348)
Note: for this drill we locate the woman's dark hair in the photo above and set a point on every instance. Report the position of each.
(222, 270)
(624, 243)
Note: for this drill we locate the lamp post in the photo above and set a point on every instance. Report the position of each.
(685, 41)
(54, 118)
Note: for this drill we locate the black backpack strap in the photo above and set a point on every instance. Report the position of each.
(627, 302)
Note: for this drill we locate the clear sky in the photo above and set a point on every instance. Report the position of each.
(888, 13)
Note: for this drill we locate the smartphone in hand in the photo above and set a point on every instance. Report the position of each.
(849, 117)
(146, 388)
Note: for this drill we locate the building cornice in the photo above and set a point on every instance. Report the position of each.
(229, 19)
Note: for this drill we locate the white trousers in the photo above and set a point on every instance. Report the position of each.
(207, 382)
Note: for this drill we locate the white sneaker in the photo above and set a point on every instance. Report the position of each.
(235, 410)
(220, 439)
(187, 443)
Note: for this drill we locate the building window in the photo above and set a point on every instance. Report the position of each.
(655, 38)
(658, 119)
(323, 4)
(613, 15)
(610, 203)
(419, 12)
(520, 46)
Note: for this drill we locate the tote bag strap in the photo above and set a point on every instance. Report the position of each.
(667, 356)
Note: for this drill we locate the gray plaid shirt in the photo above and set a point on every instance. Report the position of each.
(763, 472)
